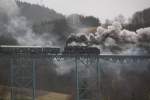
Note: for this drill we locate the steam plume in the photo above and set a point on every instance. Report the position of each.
(19, 27)
(114, 39)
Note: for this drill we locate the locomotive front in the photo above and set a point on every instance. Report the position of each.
(81, 50)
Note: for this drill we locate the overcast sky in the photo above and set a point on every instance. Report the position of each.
(102, 9)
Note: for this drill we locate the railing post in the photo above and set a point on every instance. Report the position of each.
(77, 78)
(12, 79)
(34, 78)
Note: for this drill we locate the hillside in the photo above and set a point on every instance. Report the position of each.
(36, 13)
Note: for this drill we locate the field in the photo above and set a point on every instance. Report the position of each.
(41, 95)
(54, 96)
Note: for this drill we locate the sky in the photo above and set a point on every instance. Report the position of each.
(103, 9)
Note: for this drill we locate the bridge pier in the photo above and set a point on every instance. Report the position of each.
(87, 78)
(88, 73)
(23, 78)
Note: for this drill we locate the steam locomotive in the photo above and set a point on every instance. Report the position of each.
(80, 50)
(48, 50)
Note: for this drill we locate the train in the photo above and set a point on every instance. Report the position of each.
(6, 49)
(80, 50)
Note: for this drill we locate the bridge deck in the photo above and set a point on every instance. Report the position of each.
(113, 56)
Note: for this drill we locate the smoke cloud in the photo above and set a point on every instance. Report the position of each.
(20, 28)
(9, 7)
(114, 40)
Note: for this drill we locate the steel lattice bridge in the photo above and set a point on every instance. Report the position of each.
(23, 71)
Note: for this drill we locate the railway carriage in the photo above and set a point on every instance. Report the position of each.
(6, 49)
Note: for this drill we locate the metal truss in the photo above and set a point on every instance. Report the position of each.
(23, 78)
(87, 78)
(88, 73)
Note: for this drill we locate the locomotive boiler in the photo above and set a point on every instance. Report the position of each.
(81, 50)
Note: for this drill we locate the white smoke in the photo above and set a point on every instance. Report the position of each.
(144, 36)
(115, 39)
(128, 36)
(9, 7)
(19, 27)
(64, 66)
